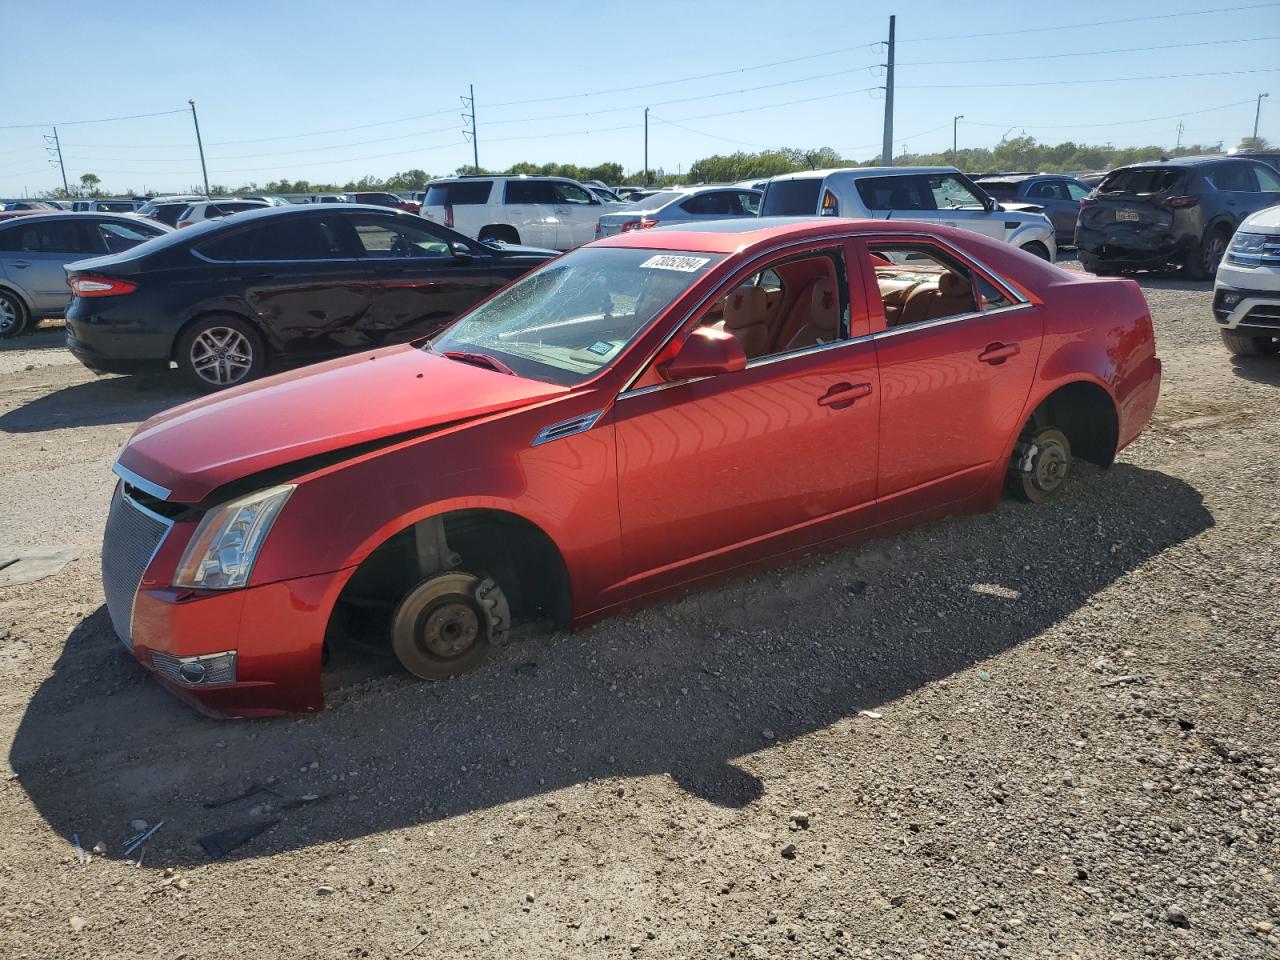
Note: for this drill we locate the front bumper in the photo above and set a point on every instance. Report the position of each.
(249, 652)
(1247, 297)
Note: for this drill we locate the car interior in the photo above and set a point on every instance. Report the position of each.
(917, 285)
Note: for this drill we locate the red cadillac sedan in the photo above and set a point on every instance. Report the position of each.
(642, 414)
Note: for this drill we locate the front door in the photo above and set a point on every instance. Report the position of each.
(576, 212)
(960, 206)
(778, 455)
(956, 361)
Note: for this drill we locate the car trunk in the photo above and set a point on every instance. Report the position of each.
(1134, 202)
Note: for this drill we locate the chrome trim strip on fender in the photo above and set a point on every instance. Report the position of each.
(142, 483)
(567, 428)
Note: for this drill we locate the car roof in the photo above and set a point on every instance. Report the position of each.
(732, 236)
(314, 210)
(858, 172)
(41, 216)
(1181, 162)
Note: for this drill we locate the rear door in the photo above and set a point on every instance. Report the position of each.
(899, 196)
(530, 207)
(956, 365)
(418, 283)
(306, 286)
(33, 254)
(1244, 187)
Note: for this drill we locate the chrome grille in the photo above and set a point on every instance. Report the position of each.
(219, 668)
(132, 537)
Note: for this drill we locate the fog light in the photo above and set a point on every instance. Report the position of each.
(1229, 298)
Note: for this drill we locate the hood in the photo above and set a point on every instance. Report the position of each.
(1016, 206)
(199, 446)
(1264, 221)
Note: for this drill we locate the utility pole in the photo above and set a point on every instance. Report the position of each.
(955, 122)
(469, 102)
(57, 145)
(200, 145)
(1178, 146)
(887, 153)
(646, 146)
(1257, 114)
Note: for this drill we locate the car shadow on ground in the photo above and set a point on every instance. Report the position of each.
(1258, 369)
(693, 688)
(48, 337)
(107, 399)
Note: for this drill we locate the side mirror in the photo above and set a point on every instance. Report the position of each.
(460, 250)
(991, 205)
(706, 353)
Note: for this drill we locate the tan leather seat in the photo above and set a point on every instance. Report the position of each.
(814, 319)
(948, 296)
(746, 316)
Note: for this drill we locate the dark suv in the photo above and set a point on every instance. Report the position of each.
(1180, 212)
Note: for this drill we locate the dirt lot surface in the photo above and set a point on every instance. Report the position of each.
(1045, 732)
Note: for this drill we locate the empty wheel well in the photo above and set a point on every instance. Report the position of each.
(1085, 413)
(519, 556)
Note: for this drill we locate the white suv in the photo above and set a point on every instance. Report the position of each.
(1246, 295)
(931, 194)
(552, 212)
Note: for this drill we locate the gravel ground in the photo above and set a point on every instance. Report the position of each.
(1045, 732)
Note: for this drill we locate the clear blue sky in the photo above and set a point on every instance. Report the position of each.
(290, 71)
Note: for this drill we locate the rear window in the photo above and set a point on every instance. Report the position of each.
(456, 194)
(791, 198)
(1139, 181)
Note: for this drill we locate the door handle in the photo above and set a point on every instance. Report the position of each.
(843, 395)
(21, 264)
(260, 276)
(998, 353)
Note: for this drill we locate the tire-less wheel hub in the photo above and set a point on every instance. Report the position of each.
(445, 625)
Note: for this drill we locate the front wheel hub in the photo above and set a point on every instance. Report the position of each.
(445, 625)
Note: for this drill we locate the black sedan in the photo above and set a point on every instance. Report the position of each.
(225, 298)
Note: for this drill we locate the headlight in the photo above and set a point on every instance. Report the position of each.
(1246, 248)
(221, 554)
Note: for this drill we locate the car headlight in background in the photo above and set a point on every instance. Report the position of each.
(221, 554)
(1246, 248)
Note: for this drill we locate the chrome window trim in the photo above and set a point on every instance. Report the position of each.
(201, 256)
(142, 483)
(1019, 301)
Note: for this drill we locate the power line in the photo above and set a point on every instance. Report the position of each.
(1056, 83)
(1095, 23)
(72, 123)
(1088, 53)
(1109, 123)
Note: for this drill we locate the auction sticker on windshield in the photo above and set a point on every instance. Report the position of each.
(670, 262)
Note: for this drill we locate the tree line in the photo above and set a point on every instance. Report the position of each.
(1019, 153)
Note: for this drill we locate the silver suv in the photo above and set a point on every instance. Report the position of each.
(930, 194)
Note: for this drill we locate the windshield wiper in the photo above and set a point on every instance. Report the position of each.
(480, 360)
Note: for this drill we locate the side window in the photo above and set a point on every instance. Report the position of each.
(1233, 176)
(750, 203)
(895, 193)
(794, 304)
(227, 247)
(530, 191)
(54, 237)
(1077, 192)
(952, 193)
(919, 283)
(388, 238)
(1041, 191)
(707, 204)
(295, 238)
(1268, 181)
(570, 193)
(119, 237)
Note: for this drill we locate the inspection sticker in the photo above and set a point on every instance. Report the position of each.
(669, 262)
